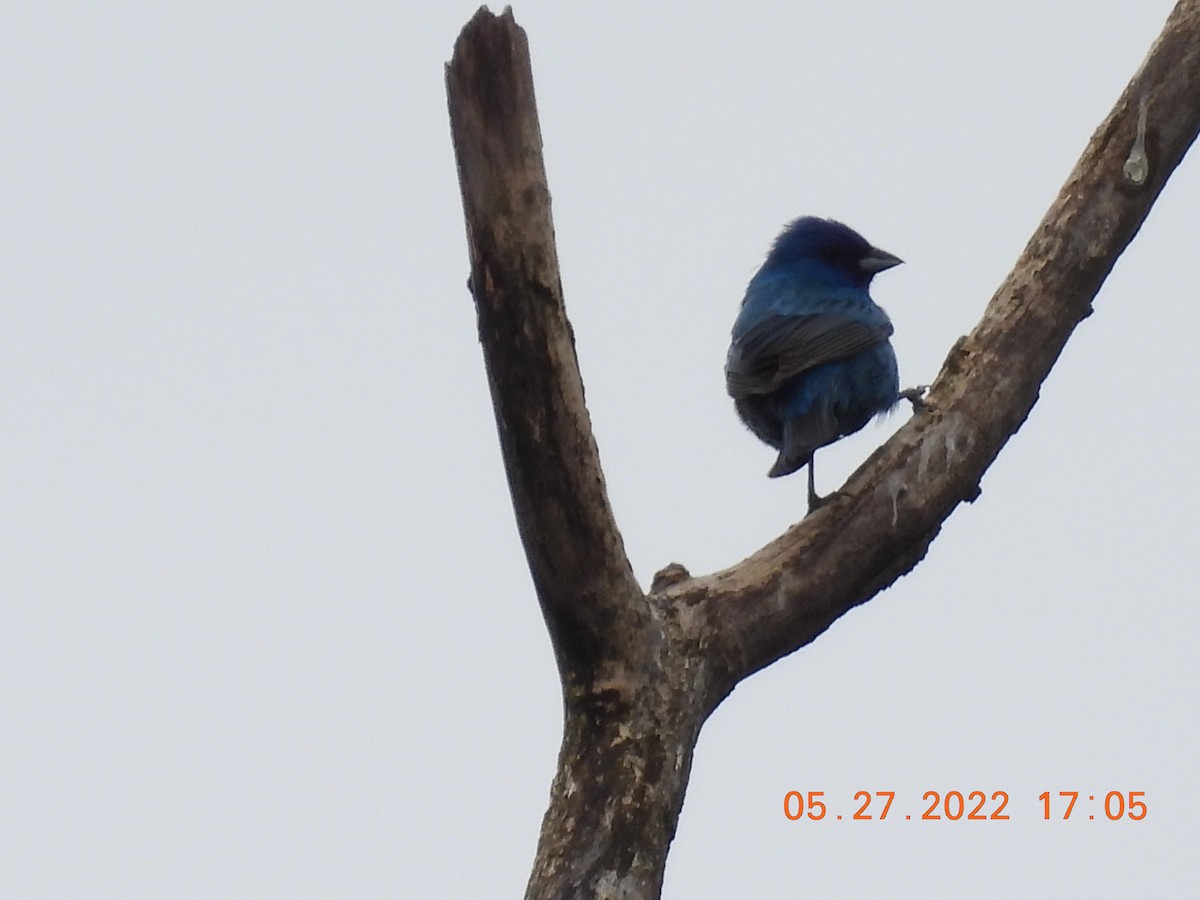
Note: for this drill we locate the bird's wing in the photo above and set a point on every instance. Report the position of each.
(780, 346)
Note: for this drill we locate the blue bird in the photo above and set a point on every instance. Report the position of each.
(810, 360)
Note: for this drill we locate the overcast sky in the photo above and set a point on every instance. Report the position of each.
(266, 628)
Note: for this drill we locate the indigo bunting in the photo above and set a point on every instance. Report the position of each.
(810, 360)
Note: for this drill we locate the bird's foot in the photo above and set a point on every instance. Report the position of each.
(916, 396)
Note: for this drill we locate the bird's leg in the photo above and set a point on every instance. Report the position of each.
(915, 396)
(814, 501)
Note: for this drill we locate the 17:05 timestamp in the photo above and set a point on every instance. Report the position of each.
(1117, 805)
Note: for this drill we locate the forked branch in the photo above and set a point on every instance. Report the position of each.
(642, 671)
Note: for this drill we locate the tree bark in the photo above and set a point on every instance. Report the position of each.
(642, 671)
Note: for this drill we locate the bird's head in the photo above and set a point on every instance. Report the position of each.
(830, 250)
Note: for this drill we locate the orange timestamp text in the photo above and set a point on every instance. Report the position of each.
(954, 806)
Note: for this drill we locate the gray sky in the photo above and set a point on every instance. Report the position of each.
(266, 628)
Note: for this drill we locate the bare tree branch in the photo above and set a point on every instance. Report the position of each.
(642, 672)
(582, 575)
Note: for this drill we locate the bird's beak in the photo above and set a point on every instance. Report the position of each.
(877, 260)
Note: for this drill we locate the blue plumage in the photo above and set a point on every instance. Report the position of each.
(810, 360)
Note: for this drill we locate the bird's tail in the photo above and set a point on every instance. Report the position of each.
(786, 465)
